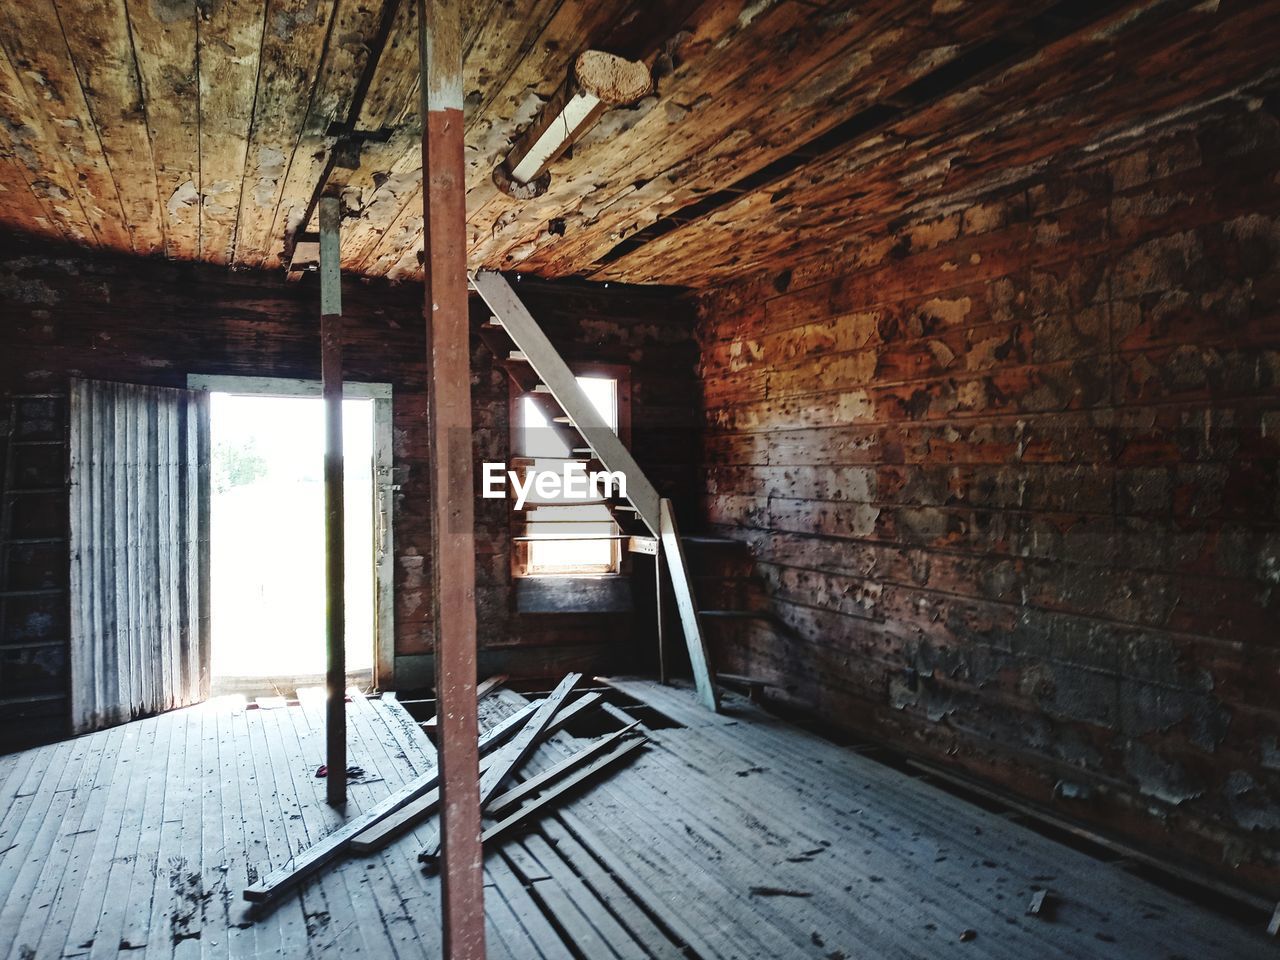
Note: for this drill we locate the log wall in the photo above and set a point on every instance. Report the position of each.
(1010, 473)
(67, 313)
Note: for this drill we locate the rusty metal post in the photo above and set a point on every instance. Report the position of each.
(452, 505)
(334, 539)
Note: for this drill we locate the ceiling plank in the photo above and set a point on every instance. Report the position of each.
(25, 139)
(502, 98)
(388, 183)
(230, 43)
(1174, 53)
(390, 170)
(354, 37)
(32, 37)
(97, 35)
(796, 87)
(292, 46)
(21, 210)
(390, 104)
(714, 23)
(164, 41)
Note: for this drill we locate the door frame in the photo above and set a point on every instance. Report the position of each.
(383, 490)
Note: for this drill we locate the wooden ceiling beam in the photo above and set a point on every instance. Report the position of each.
(596, 83)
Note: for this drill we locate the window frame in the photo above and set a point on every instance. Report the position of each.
(620, 373)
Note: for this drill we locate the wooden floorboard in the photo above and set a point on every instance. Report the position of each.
(894, 865)
(137, 842)
(731, 835)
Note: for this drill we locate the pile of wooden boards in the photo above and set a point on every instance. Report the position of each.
(503, 751)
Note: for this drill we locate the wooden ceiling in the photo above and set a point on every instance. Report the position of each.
(199, 129)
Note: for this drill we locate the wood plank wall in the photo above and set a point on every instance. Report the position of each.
(68, 313)
(1010, 472)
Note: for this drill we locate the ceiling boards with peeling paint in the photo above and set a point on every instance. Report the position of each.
(779, 131)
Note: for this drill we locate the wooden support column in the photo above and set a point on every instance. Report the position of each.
(452, 490)
(334, 540)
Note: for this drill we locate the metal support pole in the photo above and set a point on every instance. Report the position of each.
(335, 607)
(452, 492)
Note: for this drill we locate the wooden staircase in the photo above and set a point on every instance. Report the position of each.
(646, 519)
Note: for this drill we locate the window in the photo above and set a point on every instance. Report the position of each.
(562, 537)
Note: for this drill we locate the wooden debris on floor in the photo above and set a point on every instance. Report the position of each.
(1039, 905)
(411, 814)
(483, 689)
(518, 737)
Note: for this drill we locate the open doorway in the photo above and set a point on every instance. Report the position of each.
(267, 579)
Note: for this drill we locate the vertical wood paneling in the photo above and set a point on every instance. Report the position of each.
(139, 521)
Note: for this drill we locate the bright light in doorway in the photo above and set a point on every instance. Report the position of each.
(267, 536)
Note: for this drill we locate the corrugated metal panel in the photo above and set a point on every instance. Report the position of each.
(139, 551)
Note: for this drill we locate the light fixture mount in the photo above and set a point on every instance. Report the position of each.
(597, 82)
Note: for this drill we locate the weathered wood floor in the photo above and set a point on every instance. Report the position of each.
(732, 836)
(138, 841)
(753, 838)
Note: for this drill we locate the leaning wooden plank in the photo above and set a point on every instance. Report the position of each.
(572, 762)
(318, 854)
(486, 687)
(513, 754)
(379, 834)
(561, 788)
(682, 589)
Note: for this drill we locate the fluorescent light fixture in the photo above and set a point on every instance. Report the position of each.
(598, 82)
